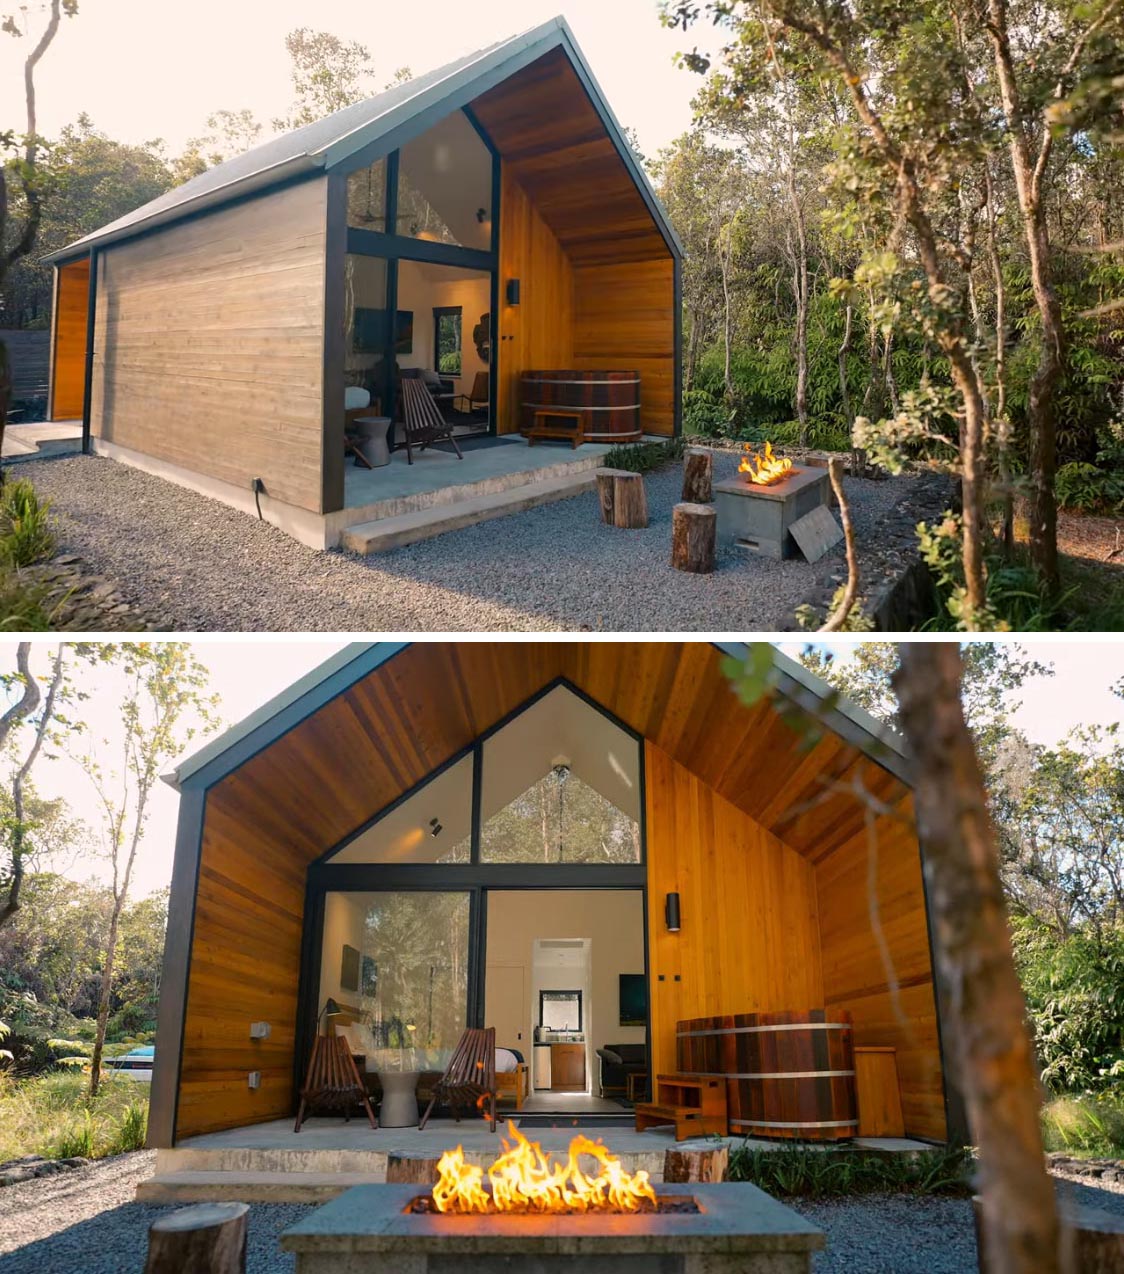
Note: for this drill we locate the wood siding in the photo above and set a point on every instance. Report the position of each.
(209, 344)
(624, 319)
(68, 341)
(892, 1007)
(749, 941)
(539, 331)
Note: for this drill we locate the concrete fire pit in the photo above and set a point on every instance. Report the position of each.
(759, 519)
(737, 1229)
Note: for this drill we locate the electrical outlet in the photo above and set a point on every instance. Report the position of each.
(254, 1079)
(257, 485)
(260, 1030)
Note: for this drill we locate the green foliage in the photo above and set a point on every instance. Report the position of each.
(132, 1128)
(1074, 990)
(819, 1173)
(78, 1137)
(449, 363)
(26, 533)
(706, 418)
(810, 619)
(643, 457)
(1087, 1124)
(50, 1115)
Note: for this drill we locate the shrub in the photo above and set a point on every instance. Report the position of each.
(1090, 1124)
(818, 1173)
(132, 1129)
(51, 1115)
(643, 457)
(79, 1137)
(1087, 488)
(705, 418)
(26, 533)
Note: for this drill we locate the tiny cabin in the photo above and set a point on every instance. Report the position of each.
(485, 227)
(595, 848)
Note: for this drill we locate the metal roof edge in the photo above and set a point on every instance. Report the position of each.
(880, 742)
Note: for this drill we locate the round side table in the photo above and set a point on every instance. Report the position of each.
(399, 1106)
(372, 432)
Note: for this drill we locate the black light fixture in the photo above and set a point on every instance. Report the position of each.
(481, 215)
(330, 1009)
(671, 913)
(435, 828)
(513, 291)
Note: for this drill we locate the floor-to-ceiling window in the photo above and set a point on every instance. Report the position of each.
(421, 261)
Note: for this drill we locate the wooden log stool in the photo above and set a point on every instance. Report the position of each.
(208, 1238)
(624, 502)
(698, 476)
(411, 1169)
(1095, 1238)
(707, 1163)
(694, 529)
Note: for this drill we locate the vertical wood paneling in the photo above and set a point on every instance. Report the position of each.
(209, 343)
(891, 1005)
(539, 331)
(749, 940)
(68, 344)
(624, 319)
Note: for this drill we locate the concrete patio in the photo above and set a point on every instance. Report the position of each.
(269, 1163)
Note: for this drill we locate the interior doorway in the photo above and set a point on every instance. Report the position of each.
(562, 967)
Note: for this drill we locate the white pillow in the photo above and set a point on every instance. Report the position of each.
(505, 1060)
(355, 397)
(346, 1030)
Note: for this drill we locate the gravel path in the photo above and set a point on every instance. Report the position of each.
(200, 566)
(86, 1220)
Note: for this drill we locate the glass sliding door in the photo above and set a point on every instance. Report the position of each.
(397, 965)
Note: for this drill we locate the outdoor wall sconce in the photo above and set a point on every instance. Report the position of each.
(671, 913)
(435, 828)
(513, 291)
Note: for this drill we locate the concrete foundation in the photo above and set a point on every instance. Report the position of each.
(758, 519)
(738, 1229)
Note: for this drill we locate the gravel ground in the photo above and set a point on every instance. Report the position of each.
(86, 1220)
(198, 565)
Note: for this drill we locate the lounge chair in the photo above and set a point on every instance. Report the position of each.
(470, 1077)
(477, 398)
(332, 1081)
(423, 420)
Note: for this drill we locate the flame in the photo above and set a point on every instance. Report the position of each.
(764, 469)
(525, 1179)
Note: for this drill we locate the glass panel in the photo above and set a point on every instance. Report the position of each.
(432, 826)
(445, 186)
(366, 197)
(397, 965)
(447, 341)
(560, 784)
(560, 1010)
(366, 328)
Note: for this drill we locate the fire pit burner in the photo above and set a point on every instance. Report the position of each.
(734, 1228)
(759, 519)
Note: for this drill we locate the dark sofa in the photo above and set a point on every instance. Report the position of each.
(616, 1062)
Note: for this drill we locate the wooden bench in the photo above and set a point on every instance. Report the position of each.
(543, 429)
(696, 1106)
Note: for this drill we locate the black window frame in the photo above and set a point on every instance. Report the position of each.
(559, 991)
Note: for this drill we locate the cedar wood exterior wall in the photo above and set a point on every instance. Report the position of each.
(765, 926)
(208, 343)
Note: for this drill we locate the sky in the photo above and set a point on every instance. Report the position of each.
(143, 69)
(245, 673)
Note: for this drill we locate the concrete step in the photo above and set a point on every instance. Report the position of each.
(251, 1187)
(422, 524)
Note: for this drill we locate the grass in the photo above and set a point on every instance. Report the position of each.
(643, 457)
(51, 1116)
(813, 1173)
(1085, 1125)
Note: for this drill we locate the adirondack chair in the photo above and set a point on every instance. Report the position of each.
(332, 1081)
(470, 1079)
(424, 422)
(477, 398)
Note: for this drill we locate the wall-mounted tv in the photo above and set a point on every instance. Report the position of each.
(633, 999)
(369, 331)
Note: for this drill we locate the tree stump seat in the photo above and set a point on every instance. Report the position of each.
(624, 502)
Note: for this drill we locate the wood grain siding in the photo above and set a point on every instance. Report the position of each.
(624, 317)
(554, 144)
(209, 344)
(749, 941)
(538, 332)
(68, 341)
(891, 1006)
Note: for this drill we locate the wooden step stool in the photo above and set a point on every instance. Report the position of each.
(696, 1106)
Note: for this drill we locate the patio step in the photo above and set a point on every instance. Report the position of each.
(422, 524)
(251, 1187)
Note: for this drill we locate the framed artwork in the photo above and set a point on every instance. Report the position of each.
(349, 969)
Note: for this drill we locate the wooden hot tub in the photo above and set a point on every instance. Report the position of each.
(788, 1074)
(609, 401)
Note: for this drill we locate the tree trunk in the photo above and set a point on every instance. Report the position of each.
(710, 1164)
(971, 483)
(104, 996)
(994, 1059)
(209, 1238)
(800, 288)
(693, 529)
(411, 1169)
(844, 351)
(698, 473)
(1002, 424)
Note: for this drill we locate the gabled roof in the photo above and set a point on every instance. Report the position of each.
(225, 753)
(396, 115)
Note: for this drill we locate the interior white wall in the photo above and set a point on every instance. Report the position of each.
(612, 922)
(422, 288)
(344, 919)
